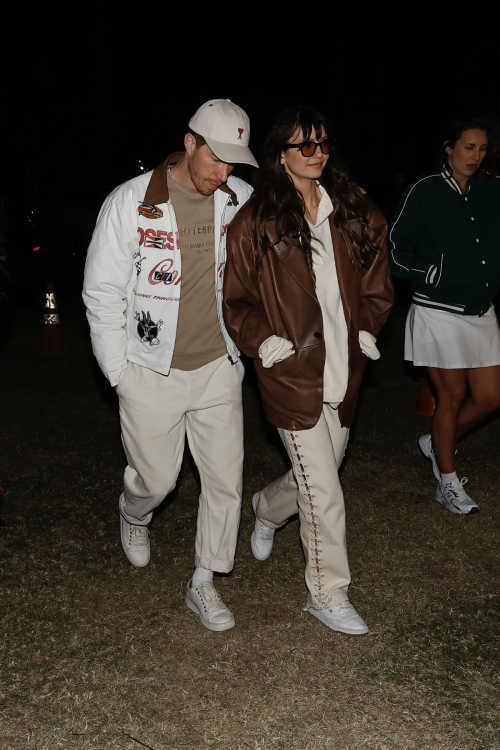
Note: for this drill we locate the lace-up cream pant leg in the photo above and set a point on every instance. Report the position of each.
(312, 487)
(156, 414)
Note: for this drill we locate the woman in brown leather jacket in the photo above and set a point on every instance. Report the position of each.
(306, 291)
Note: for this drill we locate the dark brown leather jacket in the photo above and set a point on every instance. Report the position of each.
(281, 300)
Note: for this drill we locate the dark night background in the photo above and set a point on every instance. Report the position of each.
(87, 101)
(98, 654)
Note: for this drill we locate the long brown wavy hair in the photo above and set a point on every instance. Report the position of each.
(276, 196)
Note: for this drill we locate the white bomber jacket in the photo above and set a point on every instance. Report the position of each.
(132, 279)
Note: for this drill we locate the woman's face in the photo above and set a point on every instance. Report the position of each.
(468, 152)
(301, 167)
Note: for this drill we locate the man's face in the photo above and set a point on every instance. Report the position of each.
(206, 171)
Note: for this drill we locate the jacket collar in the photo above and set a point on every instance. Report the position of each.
(454, 184)
(157, 190)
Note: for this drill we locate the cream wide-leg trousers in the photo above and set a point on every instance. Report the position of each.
(312, 487)
(156, 413)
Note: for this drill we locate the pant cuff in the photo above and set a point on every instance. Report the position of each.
(135, 521)
(270, 524)
(217, 566)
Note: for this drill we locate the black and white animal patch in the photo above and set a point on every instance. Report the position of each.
(147, 328)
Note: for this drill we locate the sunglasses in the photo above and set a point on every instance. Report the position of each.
(308, 148)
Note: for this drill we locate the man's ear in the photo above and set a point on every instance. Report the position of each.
(190, 143)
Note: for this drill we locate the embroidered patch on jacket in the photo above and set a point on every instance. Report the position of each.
(138, 262)
(149, 211)
(147, 328)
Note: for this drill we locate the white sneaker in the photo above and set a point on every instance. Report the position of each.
(262, 536)
(455, 499)
(425, 444)
(135, 541)
(207, 603)
(342, 617)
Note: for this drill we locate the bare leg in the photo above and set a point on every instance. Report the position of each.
(484, 385)
(450, 388)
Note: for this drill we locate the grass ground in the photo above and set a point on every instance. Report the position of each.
(97, 654)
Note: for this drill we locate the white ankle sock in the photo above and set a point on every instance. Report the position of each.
(202, 575)
(447, 478)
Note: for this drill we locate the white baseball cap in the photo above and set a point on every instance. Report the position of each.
(226, 129)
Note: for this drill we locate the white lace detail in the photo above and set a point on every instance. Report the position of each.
(138, 535)
(344, 608)
(315, 541)
(265, 533)
(455, 490)
(211, 597)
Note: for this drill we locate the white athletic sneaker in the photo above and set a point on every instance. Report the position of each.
(342, 617)
(425, 444)
(135, 542)
(262, 536)
(207, 603)
(455, 499)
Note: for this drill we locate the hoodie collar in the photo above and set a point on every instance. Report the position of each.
(157, 190)
(325, 208)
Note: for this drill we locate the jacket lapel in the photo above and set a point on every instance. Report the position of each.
(292, 257)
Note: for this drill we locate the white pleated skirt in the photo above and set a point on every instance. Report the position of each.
(435, 338)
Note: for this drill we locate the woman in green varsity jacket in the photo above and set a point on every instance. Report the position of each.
(445, 239)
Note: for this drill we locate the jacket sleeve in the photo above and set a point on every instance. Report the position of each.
(244, 315)
(108, 270)
(404, 261)
(376, 288)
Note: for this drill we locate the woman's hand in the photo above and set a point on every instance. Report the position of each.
(367, 344)
(275, 349)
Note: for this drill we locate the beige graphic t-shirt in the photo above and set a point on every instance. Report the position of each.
(198, 340)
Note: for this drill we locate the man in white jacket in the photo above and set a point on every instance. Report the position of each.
(153, 292)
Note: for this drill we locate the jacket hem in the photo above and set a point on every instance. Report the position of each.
(423, 301)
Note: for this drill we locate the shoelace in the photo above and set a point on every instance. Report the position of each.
(266, 534)
(457, 488)
(211, 595)
(139, 535)
(344, 608)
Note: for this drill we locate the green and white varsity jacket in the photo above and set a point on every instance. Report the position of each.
(447, 243)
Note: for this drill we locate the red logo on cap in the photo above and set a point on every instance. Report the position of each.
(240, 131)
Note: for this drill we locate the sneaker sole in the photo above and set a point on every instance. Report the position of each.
(328, 623)
(133, 562)
(215, 627)
(449, 506)
(423, 447)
